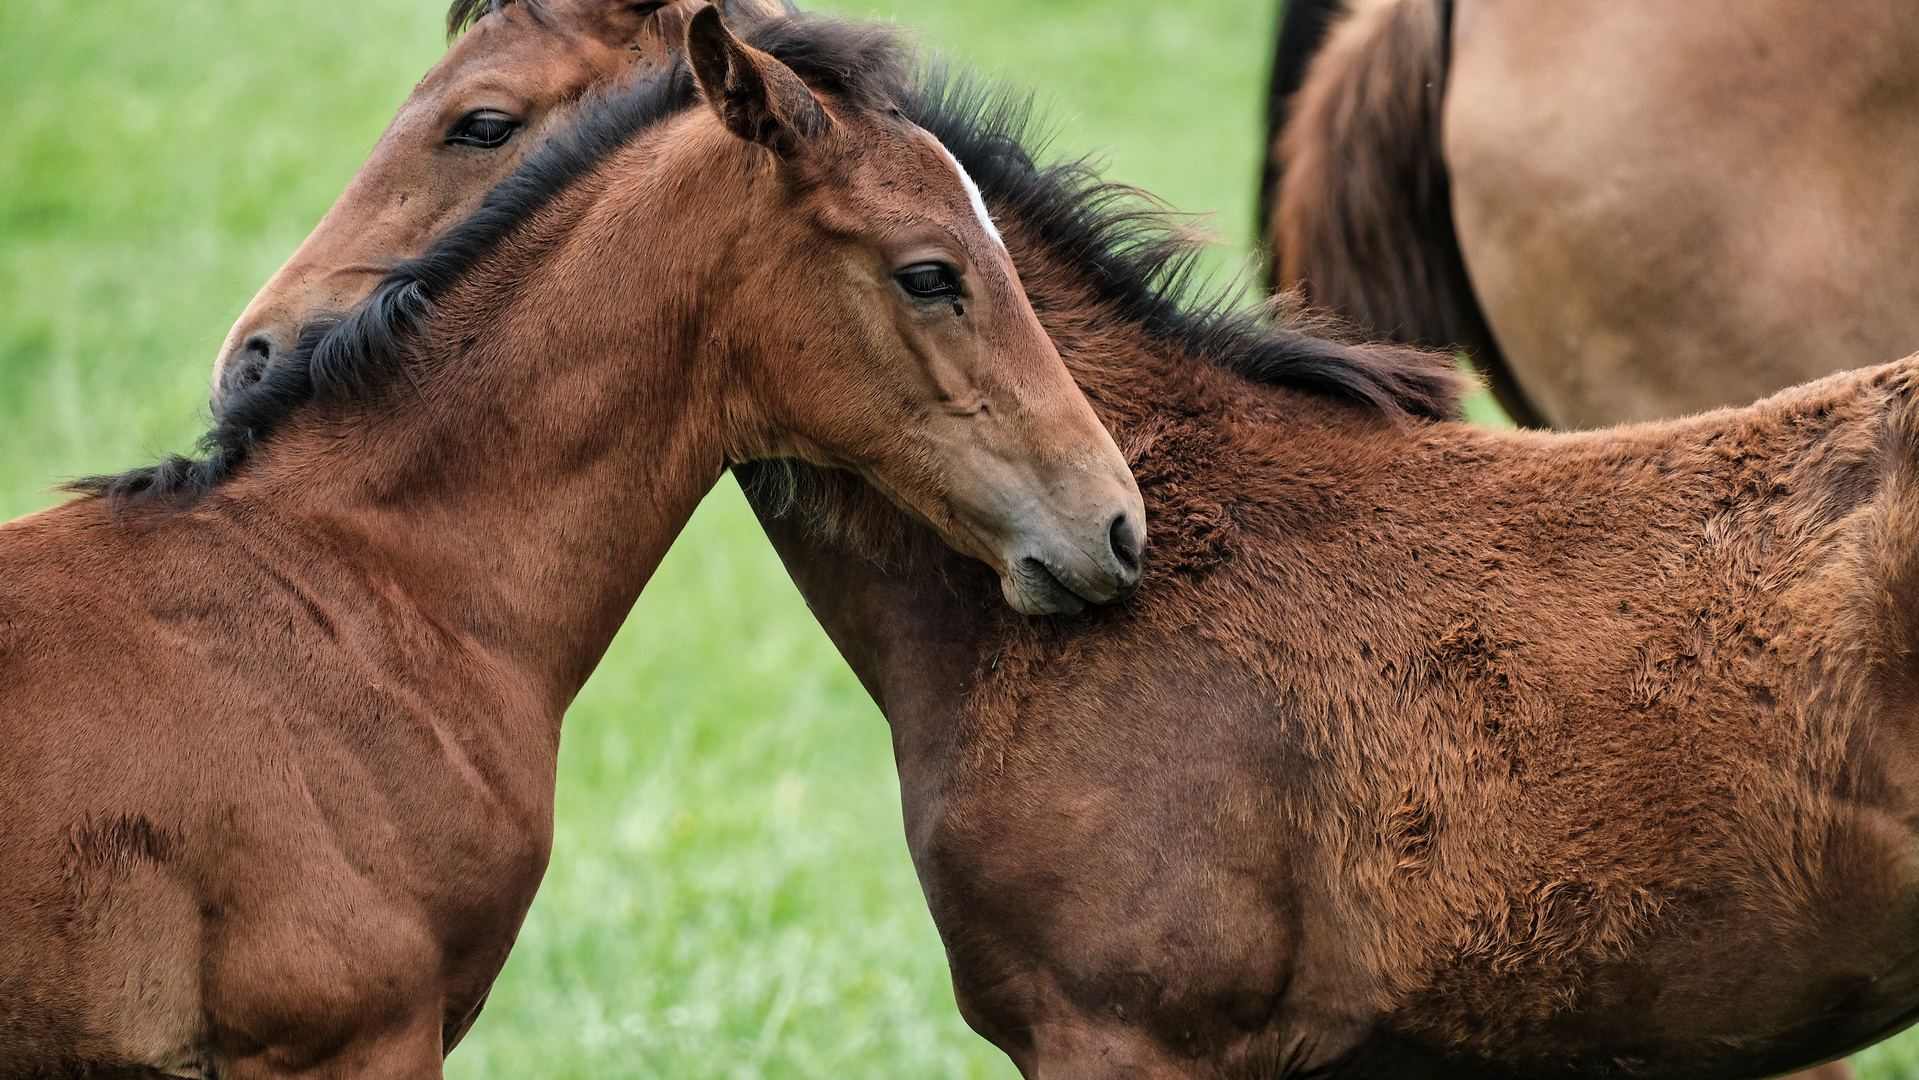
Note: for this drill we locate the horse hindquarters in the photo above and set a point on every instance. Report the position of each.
(1668, 208)
(1362, 219)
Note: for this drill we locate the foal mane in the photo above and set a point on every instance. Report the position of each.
(1146, 268)
(362, 354)
(1137, 260)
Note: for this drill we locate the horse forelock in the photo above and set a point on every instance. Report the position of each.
(464, 13)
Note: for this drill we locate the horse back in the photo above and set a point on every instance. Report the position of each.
(1456, 745)
(1665, 700)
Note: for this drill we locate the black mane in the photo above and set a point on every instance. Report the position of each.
(1141, 262)
(464, 13)
(1138, 260)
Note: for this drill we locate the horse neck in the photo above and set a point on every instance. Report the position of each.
(567, 421)
(918, 622)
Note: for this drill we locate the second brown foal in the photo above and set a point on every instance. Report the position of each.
(1424, 751)
(507, 83)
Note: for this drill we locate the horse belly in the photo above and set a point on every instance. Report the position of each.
(1772, 965)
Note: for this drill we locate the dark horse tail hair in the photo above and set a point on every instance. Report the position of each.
(1302, 30)
(1358, 209)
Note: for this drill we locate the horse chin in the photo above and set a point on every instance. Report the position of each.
(1033, 590)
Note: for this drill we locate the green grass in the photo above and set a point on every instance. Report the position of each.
(730, 895)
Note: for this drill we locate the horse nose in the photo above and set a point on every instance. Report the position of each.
(1127, 540)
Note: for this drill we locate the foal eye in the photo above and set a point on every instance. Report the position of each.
(929, 281)
(485, 129)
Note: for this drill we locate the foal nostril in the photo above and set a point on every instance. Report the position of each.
(249, 365)
(259, 353)
(1126, 543)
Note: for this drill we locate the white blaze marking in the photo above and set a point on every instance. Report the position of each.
(972, 193)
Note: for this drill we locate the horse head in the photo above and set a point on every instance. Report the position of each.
(500, 90)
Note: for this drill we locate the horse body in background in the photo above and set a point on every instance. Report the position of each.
(1425, 750)
(1626, 210)
(278, 727)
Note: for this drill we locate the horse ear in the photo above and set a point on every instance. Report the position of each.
(757, 97)
(748, 12)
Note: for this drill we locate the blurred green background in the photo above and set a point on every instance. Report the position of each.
(730, 895)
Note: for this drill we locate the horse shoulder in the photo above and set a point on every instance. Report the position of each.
(206, 762)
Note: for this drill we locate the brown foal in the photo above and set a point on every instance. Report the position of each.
(1425, 751)
(278, 726)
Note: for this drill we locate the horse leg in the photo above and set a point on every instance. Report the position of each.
(411, 1050)
(1077, 1051)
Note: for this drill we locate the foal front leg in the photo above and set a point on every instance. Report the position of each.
(412, 1050)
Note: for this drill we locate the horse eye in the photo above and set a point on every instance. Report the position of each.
(929, 281)
(484, 129)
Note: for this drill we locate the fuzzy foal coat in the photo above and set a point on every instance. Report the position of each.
(1426, 750)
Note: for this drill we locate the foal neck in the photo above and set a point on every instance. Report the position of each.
(528, 476)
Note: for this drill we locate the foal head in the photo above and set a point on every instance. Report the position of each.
(466, 126)
(940, 386)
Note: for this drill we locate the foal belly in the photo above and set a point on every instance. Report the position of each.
(1773, 968)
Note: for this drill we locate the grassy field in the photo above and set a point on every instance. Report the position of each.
(730, 896)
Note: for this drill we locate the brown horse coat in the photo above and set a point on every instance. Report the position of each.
(1655, 208)
(1177, 839)
(1425, 750)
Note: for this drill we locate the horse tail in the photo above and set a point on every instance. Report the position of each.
(1360, 218)
(1302, 29)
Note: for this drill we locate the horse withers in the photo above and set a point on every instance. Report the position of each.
(278, 725)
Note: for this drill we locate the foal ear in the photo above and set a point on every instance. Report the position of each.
(757, 97)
